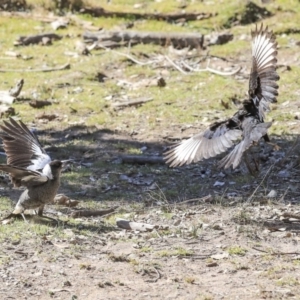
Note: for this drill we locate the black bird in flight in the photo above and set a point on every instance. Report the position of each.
(30, 166)
(247, 124)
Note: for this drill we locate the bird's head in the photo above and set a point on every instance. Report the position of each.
(55, 166)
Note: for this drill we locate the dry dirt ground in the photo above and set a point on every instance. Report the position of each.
(218, 234)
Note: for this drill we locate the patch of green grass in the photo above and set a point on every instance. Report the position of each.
(179, 251)
(288, 281)
(237, 250)
(146, 249)
(189, 280)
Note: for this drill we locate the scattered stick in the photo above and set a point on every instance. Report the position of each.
(142, 159)
(133, 102)
(178, 40)
(124, 224)
(187, 16)
(93, 213)
(59, 68)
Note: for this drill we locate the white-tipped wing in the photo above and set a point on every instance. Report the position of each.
(21, 146)
(213, 141)
(262, 84)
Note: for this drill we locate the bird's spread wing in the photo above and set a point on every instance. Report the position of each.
(22, 147)
(18, 173)
(251, 134)
(263, 77)
(214, 140)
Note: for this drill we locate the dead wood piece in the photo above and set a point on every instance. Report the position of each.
(8, 97)
(39, 103)
(62, 199)
(92, 213)
(5, 98)
(45, 116)
(59, 68)
(16, 90)
(186, 16)
(218, 38)
(133, 102)
(6, 111)
(36, 39)
(60, 23)
(290, 215)
(142, 159)
(125, 224)
(178, 40)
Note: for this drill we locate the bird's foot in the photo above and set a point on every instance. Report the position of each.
(275, 146)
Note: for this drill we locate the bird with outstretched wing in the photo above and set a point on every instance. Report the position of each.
(247, 124)
(30, 166)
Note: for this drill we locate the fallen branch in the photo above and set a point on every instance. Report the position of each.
(124, 224)
(133, 102)
(141, 159)
(187, 16)
(59, 68)
(92, 213)
(178, 40)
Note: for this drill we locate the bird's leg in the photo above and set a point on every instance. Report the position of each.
(40, 213)
(250, 169)
(40, 210)
(267, 140)
(23, 216)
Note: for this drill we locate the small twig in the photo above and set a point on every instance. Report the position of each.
(223, 73)
(203, 199)
(133, 102)
(276, 253)
(208, 69)
(250, 198)
(292, 148)
(157, 278)
(59, 68)
(130, 57)
(175, 65)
